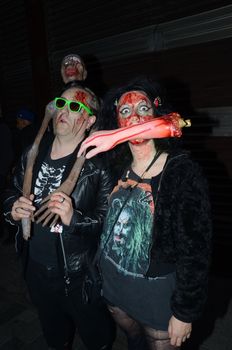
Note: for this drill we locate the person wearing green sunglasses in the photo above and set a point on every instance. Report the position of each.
(75, 113)
(59, 251)
(74, 106)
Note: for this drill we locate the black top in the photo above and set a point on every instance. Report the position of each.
(43, 243)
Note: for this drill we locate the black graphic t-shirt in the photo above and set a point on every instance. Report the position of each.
(125, 255)
(126, 237)
(43, 240)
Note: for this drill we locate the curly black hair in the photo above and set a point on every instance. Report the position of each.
(108, 116)
(107, 119)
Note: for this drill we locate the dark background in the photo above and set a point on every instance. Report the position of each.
(185, 44)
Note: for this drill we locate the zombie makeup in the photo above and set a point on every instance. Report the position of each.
(73, 110)
(82, 96)
(73, 68)
(134, 107)
(85, 99)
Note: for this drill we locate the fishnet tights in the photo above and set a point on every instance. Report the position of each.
(140, 337)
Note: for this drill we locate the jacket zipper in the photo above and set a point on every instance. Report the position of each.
(66, 275)
(87, 175)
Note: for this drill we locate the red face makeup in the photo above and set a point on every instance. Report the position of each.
(67, 120)
(83, 97)
(134, 108)
(71, 71)
(73, 68)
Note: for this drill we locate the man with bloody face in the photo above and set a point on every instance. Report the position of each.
(155, 246)
(56, 252)
(73, 69)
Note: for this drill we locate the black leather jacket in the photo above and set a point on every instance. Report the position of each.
(90, 201)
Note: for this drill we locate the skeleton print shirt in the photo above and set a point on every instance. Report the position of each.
(43, 241)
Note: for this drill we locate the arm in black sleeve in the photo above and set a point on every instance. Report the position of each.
(94, 193)
(193, 246)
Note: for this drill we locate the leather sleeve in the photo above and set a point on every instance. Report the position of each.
(91, 202)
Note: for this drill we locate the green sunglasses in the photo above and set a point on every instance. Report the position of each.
(74, 106)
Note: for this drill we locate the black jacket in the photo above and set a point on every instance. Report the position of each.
(182, 234)
(90, 200)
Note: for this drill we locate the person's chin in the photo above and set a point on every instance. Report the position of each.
(61, 127)
(138, 141)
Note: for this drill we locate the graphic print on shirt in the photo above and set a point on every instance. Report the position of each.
(49, 179)
(126, 238)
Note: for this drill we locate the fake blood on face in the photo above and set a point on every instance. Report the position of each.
(134, 108)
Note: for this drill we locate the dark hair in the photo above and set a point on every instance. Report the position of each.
(108, 115)
(107, 119)
(74, 83)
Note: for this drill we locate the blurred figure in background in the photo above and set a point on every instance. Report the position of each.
(73, 70)
(24, 132)
(6, 159)
(6, 151)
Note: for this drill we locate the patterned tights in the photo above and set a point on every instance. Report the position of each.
(140, 337)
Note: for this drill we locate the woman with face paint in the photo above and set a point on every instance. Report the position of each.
(155, 245)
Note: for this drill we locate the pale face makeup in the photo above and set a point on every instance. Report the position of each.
(73, 68)
(68, 123)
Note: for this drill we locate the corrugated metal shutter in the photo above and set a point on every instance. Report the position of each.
(16, 74)
(72, 24)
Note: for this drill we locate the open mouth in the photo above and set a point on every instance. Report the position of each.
(118, 239)
(69, 71)
(137, 141)
(62, 120)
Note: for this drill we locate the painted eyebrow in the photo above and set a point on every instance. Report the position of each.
(146, 101)
(125, 105)
(143, 101)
